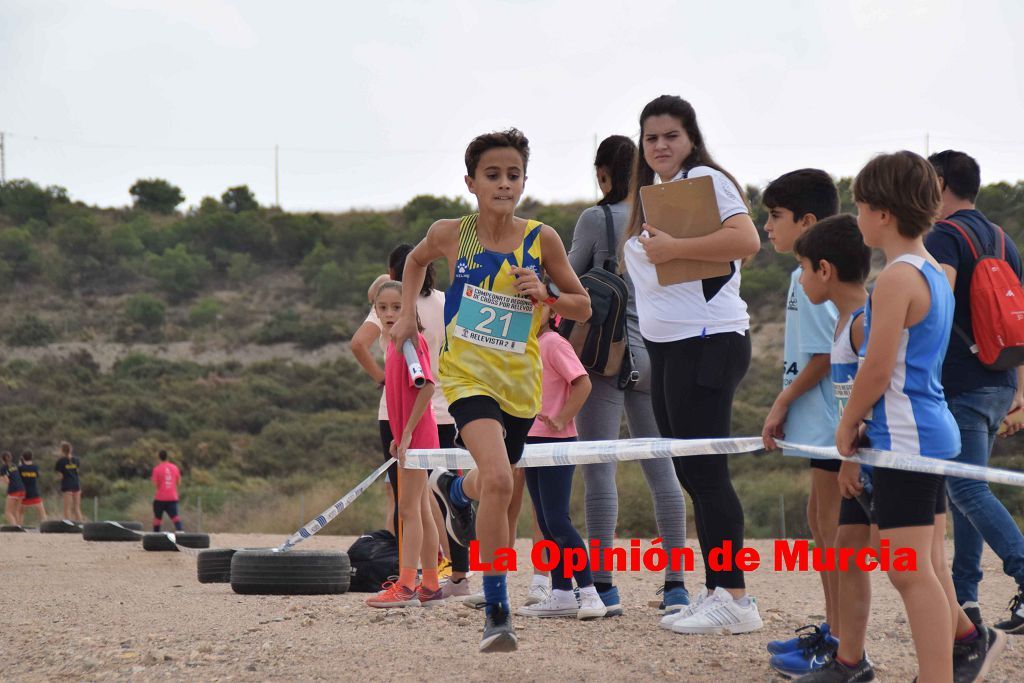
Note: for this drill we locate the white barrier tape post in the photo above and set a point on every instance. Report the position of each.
(916, 463)
(325, 517)
(413, 362)
(587, 452)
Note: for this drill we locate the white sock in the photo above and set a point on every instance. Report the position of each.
(539, 580)
(742, 602)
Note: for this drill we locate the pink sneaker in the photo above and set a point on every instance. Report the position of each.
(394, 595)
(428, 597)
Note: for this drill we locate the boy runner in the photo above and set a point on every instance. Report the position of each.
(490, 363)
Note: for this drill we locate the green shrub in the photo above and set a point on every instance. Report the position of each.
(23, 200)
(17, 250)
(145, 310)
(125, 241)
(156, 195)
(204, 313)
(239, 199)
(241, 269)
(178, 273)
(31, 331)
(330, 287)
(283, 327)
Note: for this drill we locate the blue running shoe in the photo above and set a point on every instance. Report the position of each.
(674, 599)
(611, 601)
(802, 662)
(802, 642)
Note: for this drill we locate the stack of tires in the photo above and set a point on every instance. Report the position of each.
(266, 571)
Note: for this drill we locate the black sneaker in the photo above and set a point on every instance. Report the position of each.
(460, 522)
(834, 671)
(972, 660)
(973, 612)
(499, 636)
(1015, 624)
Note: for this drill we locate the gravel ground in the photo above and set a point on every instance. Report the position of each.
(96, 611)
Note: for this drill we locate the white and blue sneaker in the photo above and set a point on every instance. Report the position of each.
(687, 610)
(612, 603)
(674, 599)
(803, 641)
(813, 654)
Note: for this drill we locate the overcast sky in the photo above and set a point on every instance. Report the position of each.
(374, 103)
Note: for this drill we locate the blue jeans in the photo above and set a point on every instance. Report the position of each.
(977, 514)
(550, 489)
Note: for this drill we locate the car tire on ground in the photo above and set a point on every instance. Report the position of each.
(108, 531)
(59, 526)
(159, 540)
(12, 528)
(214, 566)
(297, 572)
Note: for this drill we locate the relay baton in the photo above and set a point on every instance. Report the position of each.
(415, 371)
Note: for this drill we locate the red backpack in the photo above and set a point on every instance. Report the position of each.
(997, 305)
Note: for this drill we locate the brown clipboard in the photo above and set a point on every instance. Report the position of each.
(684, 208)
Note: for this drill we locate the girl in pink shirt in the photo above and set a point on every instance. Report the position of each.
(412, 422)
(565, 386)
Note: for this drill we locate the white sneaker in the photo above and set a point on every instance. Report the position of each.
(591, 605)
(721, 614)
(688, 610)
(475, 600)
(451, 589)
(539, 592)
(556, 604)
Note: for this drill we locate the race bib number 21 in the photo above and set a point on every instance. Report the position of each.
(496, 321)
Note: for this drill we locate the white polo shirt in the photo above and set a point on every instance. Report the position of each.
(689, 309)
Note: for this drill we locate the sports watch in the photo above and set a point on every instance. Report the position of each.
(553, 293)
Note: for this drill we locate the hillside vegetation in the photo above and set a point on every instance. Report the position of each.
(257, 439)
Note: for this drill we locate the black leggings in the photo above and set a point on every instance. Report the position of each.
(446, 435)
(692, 386)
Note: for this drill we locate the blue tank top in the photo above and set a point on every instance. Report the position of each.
(844, 360)
(912, 416)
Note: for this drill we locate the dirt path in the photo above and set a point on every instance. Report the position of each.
(95, 611)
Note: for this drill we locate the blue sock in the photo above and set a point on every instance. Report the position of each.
(495, 592)
(456, 494)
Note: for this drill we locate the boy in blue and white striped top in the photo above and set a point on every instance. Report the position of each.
(835, 264)
(907, 324)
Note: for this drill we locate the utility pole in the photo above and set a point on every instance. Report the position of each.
(277, 195)
(3, 160)
(927, 145)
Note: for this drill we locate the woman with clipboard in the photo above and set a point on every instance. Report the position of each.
(697, 335)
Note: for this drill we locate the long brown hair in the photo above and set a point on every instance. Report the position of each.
(643, 174)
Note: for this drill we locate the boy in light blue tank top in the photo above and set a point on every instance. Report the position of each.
(804, 411)
(908, 320)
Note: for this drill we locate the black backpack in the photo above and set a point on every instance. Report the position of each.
(374, 558)
(600, 342)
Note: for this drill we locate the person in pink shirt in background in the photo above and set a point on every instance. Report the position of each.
(565, 386)
(165, 479)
